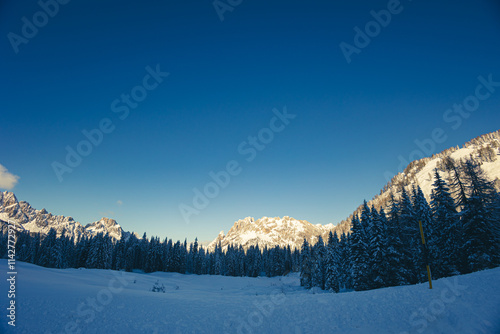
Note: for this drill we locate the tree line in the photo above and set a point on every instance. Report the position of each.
(149, 255)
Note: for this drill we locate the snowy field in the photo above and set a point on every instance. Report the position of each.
(104, 301)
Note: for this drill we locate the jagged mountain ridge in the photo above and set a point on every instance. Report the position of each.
(418, 172)
(28, 218)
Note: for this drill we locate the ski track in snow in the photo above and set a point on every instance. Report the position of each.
(48, 300)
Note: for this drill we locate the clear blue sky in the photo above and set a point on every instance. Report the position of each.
(353, 120)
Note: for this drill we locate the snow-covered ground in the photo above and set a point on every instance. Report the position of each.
(105, 301)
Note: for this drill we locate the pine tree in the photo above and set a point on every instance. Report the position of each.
(306, 266)
(100, 252)
(318, 265)
(345, 268)
(396, 248)
(332, 263)
(35, 249)
(443, 237)
(195, 258)
(218, 265)
(130, 249)
(48, 252)
(23, 246)
(377, 250)
(423, 214)
(118, 260)
(480, 219)
(168, 255)
(359, 250)
(410, 235)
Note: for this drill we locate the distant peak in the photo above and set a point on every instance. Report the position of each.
(108, 221)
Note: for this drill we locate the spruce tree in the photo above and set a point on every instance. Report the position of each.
(377, 250)
(443, 238)
(423, 214)
(359, 250)
(481, 212)
(306, 265)
(318, 267)
(396, 251)
(410, 234)
(332, 263)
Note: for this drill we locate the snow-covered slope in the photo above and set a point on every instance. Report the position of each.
(40, 221)
(106, 301)
(484, 149)
(271, 232)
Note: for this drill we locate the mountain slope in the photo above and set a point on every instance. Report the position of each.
(484, 149)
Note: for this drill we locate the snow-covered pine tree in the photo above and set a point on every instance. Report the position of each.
(278, 261)
(203, 262)
(318, 256)
(410, 234)
(332, 263)
(377, 250)
(457, 184)
(306, 265)
(100, 252)
(154, 256)
(168, 254)
(35, 248)
(230, 257)
(396, 248)
(345, 275)
(480, 219)
(130, 248)
(195, 257)
(118, 260)
(23, 246)
(423, 214)
(67, 250)
(176, 257)
(218, 264)
(184, 254)
(443, 238)
(288, 259)
(359, 249)
(47, 254)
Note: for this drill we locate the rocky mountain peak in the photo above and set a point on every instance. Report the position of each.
(41, 221)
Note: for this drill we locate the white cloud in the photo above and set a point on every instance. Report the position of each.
(119, 203)
(7, 180)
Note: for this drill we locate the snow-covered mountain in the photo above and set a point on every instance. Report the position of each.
(288, 231)
(40, 221)
(484, 149)
(271, 232)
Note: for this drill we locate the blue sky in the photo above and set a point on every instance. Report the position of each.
(353, 121)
